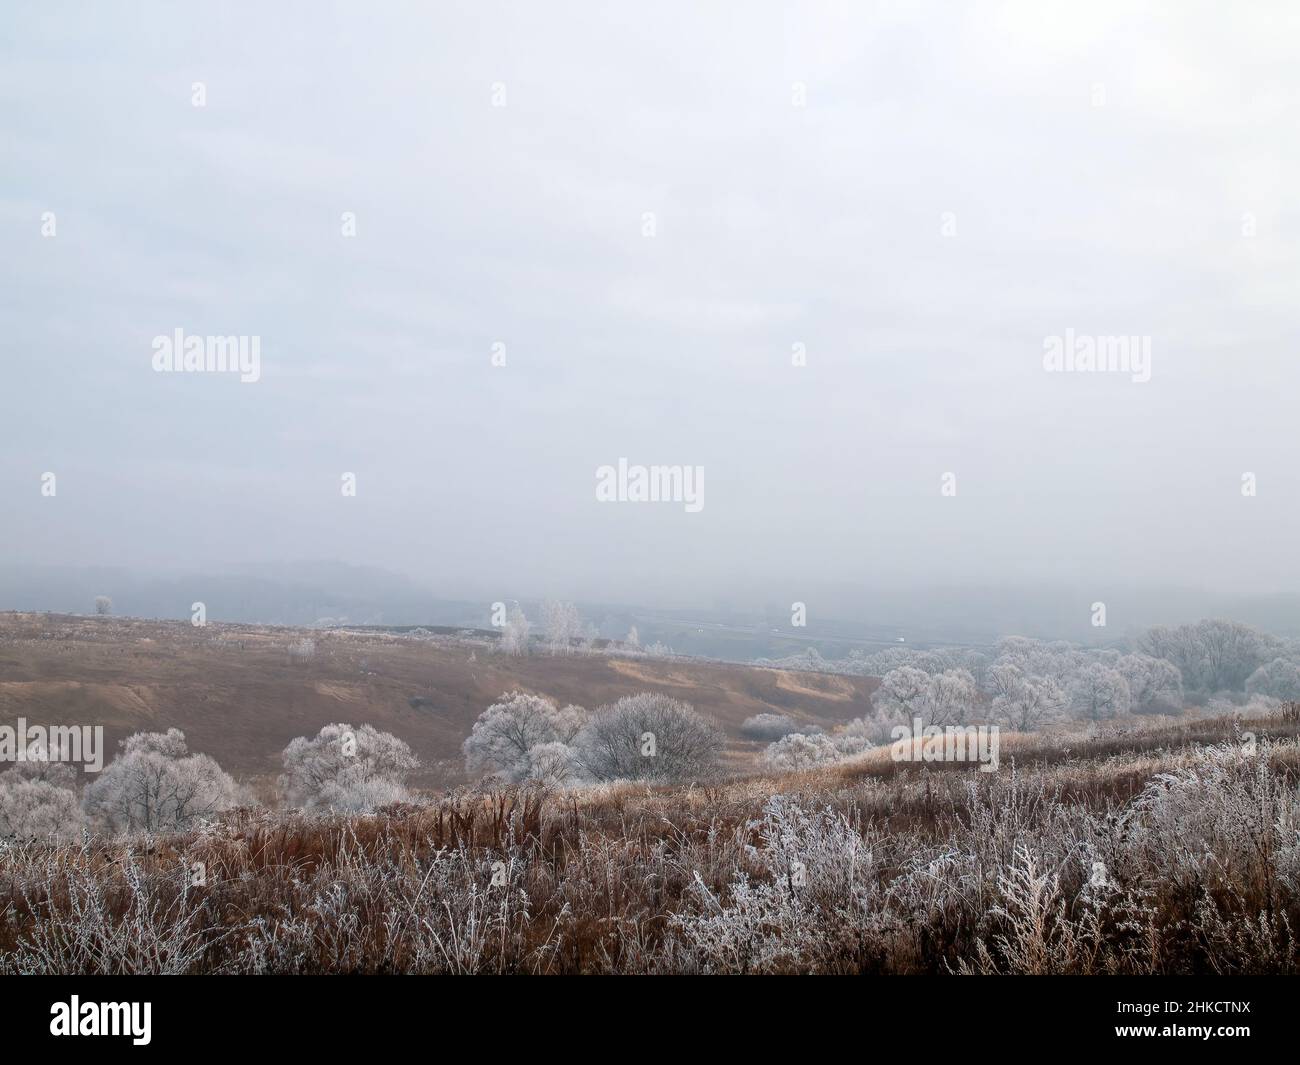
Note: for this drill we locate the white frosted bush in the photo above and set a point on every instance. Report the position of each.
(36, 809)
(503, 740)
(156, 785)
(354, 770)
(799, 751)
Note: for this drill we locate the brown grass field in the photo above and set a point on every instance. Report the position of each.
(239, 696)
(1167, 849)
(1158, 846)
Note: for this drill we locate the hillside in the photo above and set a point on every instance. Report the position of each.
(240, 696)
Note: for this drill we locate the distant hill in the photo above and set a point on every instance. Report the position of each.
(239, 694)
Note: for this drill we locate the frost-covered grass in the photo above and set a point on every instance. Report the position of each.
(1168, 848)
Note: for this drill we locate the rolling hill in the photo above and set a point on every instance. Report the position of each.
(240, 695)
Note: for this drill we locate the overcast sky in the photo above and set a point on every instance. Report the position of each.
(960, 183)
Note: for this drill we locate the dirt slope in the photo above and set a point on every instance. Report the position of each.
(240, 696)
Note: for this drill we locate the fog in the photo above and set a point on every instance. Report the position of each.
(652, 215)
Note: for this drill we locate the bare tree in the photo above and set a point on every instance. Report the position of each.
(103, 605)
(904, 693)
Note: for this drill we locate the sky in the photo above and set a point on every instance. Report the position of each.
(818, 250)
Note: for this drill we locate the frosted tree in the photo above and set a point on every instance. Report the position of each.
(1023, 702)
(504, 740)
(347, 770)
(953, 697)
(1060, 661)
(514, 634)
(550, 763)
(587, 636)
(1279, 679)
(649, 737)
(561, 624)
(633, 638)
(904, 693)
(1099, 693)
(1212, 655)
(946, 698)
(1152, 682)
(799, 751)
(156, 785)
(103, 605)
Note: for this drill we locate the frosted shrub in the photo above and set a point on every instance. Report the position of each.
(354, 770)
(798, 751)
(34, 809)
(519, 738)
(443, 913)
(1225, 820)
(817, 890)
(770, 727)
(649, 737)
(114, 919)
(156, 785)
(854, 738)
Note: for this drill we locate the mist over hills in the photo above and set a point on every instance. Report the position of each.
(739, 627)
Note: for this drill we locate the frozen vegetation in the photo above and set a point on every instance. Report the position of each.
(1144, 818)
(1168, 848)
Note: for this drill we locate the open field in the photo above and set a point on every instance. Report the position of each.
(240, 696)
(1166, 848)
(1151, 844)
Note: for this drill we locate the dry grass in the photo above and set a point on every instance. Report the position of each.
(239, 696)
(1171, 848)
